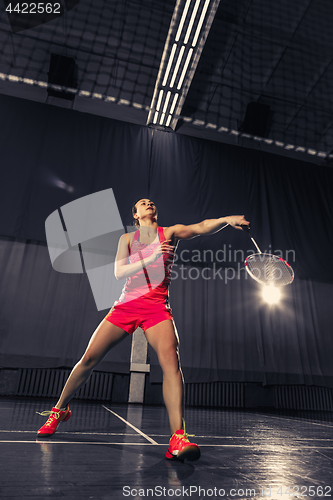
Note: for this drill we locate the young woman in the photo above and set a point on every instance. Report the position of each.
(141, 257)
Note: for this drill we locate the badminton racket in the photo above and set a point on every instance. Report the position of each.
(266, 268)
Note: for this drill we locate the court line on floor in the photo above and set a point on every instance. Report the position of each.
(76, 432)
(264, 448)
(292, 419)
(131, 425)
(323, 454)
(38, 441)
(236, 438)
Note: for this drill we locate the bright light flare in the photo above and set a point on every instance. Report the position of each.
(271, 294)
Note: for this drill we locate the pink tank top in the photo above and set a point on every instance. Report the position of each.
(153, 281)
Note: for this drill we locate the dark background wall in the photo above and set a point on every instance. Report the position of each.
(51, 156)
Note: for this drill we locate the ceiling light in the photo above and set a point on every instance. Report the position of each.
(201, 20)
(181, 24)
(166, 101)
(167, 123)
(155, 117)
(189, 28)
(174, 103)
(167, 71)
(159, 100)
(189, 55)
(175, 71)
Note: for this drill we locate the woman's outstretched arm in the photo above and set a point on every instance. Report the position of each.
(208, 226)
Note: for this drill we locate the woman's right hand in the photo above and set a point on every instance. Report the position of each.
(162, 248)
(237, 221)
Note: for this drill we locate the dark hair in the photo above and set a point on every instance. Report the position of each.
(134, 211)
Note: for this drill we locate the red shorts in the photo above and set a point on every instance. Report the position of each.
(137, 313)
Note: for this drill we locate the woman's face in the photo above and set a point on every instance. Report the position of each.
(145, 209)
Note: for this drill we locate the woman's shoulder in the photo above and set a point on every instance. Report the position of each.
(127, 237)
(130, 236)
(169, 233)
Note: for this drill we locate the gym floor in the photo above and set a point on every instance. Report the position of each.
(110, 451)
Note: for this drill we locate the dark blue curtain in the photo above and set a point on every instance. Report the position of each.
(51, 156)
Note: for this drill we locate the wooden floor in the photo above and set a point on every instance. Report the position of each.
(114, 451)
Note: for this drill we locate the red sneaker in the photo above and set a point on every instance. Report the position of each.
(180, 447)
(56, 416)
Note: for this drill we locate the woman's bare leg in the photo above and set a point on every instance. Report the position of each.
(103, 339)
(164, 340)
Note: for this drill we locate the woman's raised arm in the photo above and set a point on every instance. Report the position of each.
(208, 226)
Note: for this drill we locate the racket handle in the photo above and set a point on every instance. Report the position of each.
(245, 228)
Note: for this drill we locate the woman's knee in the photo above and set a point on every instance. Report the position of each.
(169, 359)
(88, 360)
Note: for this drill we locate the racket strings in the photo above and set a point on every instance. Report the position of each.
(269, 269)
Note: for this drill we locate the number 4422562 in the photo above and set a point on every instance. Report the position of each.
(34, 8)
